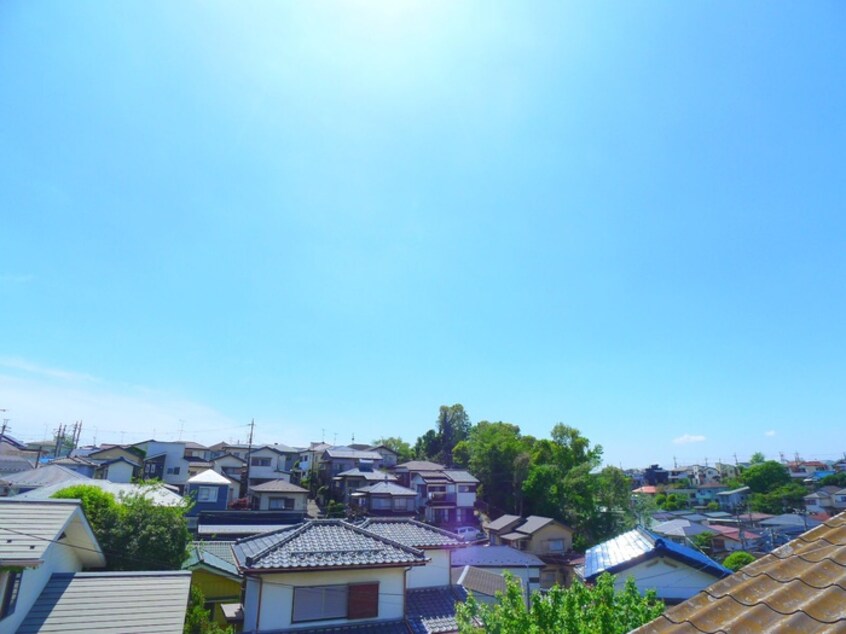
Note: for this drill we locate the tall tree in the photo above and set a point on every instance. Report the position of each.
(494, 448)
(766, 476)
(453, 427)
(403, 449)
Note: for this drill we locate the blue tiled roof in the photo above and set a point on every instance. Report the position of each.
(639, 545)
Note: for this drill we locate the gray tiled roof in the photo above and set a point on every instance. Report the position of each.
(217, 555)
(480, 581)
(412, 533)
(367, 475)
(349, 452)
(388, 488)
(461, 476)
(502, 522)
(110, 603)
(318, 544)
(432, 610)
(494, 557)
(42, 477)
(239, 529)
(533, 523)
(380, 627)
(420, 465)
(278, 486)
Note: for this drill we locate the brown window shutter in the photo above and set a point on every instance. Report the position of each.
(363, 601)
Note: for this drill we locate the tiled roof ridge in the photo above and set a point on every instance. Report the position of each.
(325, 522)
(400, 520)
(291, 533)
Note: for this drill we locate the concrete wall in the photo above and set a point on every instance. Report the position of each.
(434, 573)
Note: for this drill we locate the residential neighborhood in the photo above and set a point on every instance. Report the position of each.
(287, 539)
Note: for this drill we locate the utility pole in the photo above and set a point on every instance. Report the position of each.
(245, 485)
(5, 425)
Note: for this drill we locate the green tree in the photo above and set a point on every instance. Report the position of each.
(133, 532)
(403, 449)
(757, 458)
(835, 479)
(783, 499)
(494, 448)
(453, 427)
(579, 609)
(766, 476)
(198, 620)
(737, 560)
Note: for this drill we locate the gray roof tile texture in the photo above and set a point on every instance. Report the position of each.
(412, 533)
(432, 610)
(320, 544)
(110, 603)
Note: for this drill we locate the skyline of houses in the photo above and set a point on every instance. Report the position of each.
(268, 559)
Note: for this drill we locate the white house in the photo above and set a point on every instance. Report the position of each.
(268, 463)
(674, 571)
(322, 573)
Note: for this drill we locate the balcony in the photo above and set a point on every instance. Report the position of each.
(441, 498)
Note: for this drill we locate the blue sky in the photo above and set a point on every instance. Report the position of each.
(335, 217)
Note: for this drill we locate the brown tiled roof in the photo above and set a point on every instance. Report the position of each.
(800, 587)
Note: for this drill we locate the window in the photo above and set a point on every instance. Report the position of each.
(259, 462)
(173, 470)
(207, 494)
(275, 504)
(556, 545)
(10, 582)
(465, 488)
(323, 603)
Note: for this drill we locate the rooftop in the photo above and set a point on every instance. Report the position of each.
(322, 544)
(800, 587)
(432, 610)
(278, 486)
(412, 533)
(209, 476)
(110, 603)
(387, 488)
(639, 545)
(42, 476)
(161, 495)
(503, 522)
(28, 528)
(494, 557)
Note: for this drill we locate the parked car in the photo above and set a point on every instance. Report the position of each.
(469, 533)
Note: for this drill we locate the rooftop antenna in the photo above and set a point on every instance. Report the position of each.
(335, 438)
(181, 428)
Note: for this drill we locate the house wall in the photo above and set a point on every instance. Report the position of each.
(300, 500)
(277, 596)
(671, 579)
(539, 542)
(219, 504)
(175, 459)
(57, 558)
(465, 499)
(273, 472)
(434, 573)
(217, 589)
(119, 472)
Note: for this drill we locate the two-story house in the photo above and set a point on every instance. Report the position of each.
(165, 461)
(548, 539)
(447, 498)
(335, 460)
(268, 463)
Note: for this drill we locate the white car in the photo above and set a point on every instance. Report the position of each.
(469, 533)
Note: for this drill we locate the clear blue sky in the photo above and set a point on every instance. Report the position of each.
(628, 217)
